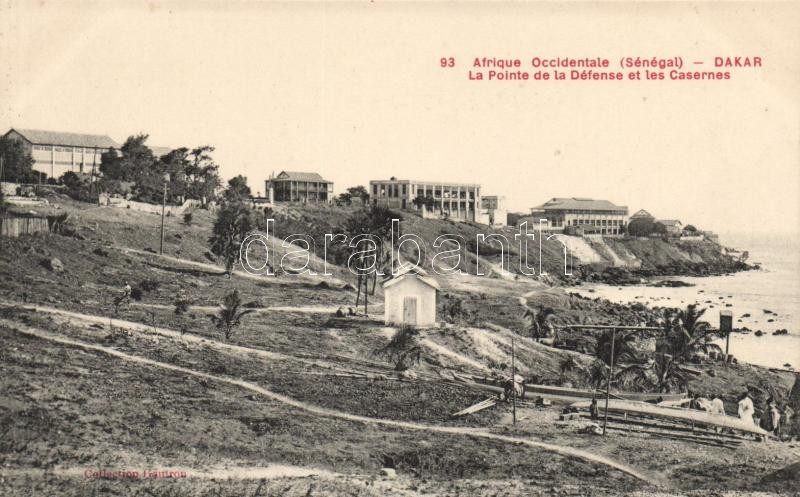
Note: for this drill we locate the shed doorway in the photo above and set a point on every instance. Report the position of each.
(410, 311)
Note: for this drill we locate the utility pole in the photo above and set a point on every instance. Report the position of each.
(2, 157)
(513, 385)
(610, 375)
(613, 329)
(163, 209)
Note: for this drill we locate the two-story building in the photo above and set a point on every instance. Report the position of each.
(55, 153)
(458, 201)
(583, 216)
(292, 186)
(493, 210)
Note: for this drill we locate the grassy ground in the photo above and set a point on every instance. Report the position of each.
(64, 410)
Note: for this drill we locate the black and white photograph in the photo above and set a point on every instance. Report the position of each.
(385, 248)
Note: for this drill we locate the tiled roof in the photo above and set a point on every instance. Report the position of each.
(300, 176)
(41, 137)
(577, 203)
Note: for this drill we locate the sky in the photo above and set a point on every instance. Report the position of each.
(355, 91)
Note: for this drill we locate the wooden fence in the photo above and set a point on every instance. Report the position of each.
(16, 226)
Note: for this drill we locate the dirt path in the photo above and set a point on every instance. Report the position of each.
(240, 272)
(76, 317)
(321, 411)
(309, 309)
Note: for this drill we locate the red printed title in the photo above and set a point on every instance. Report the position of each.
(603, 69)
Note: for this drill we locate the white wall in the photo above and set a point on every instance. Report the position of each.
(410, 286)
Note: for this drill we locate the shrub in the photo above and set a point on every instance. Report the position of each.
(144, 286)
(181, 307)
(149, 285)
(187, 218)
(136, 293)
(403, 349)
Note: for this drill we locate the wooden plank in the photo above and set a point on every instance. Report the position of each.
(679, 414)
(714, 442)
(578, 392)
(665, 424)
(480, 406)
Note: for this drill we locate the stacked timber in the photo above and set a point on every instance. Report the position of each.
(677, 414)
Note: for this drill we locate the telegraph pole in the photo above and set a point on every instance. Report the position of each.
(613, 329)
(610, 375)
(163, 209)
(513, 386)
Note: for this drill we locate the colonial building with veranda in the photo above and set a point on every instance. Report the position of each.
(293, 186)
(588, 215)
(458, 201)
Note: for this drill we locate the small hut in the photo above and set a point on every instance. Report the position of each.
(410, 297)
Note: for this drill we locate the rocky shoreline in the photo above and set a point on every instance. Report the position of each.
(622, 276)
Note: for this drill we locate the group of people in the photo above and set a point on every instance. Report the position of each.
(771, 420)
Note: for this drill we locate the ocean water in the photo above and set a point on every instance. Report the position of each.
(776, 287)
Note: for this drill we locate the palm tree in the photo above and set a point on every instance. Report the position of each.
(597, 374)
(567, 365)
(623, 347)
(373, 226)
(541, 321)
(687, 334)
(661, 374)
(229, 316)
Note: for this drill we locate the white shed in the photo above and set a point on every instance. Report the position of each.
(410, 297)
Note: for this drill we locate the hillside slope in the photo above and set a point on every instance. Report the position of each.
(585, 257)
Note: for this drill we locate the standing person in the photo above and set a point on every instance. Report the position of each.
(775, 415)
(519, 386)
(746, 409)
(593, 412)
(766, 417)
(788, 413)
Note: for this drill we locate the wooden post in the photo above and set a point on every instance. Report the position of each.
(163, 208)
(726, 326)
(610, 374)
(513, 385)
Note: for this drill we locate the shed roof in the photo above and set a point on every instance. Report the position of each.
(42, 137)
(579, 203)
(408, 270)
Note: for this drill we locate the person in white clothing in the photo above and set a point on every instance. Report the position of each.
(746, 409)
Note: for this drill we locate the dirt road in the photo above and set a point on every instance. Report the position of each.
(320, 411)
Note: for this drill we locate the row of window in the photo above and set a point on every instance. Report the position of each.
(596, 222)
(390, 190)
(77, 150)
(402, 190)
